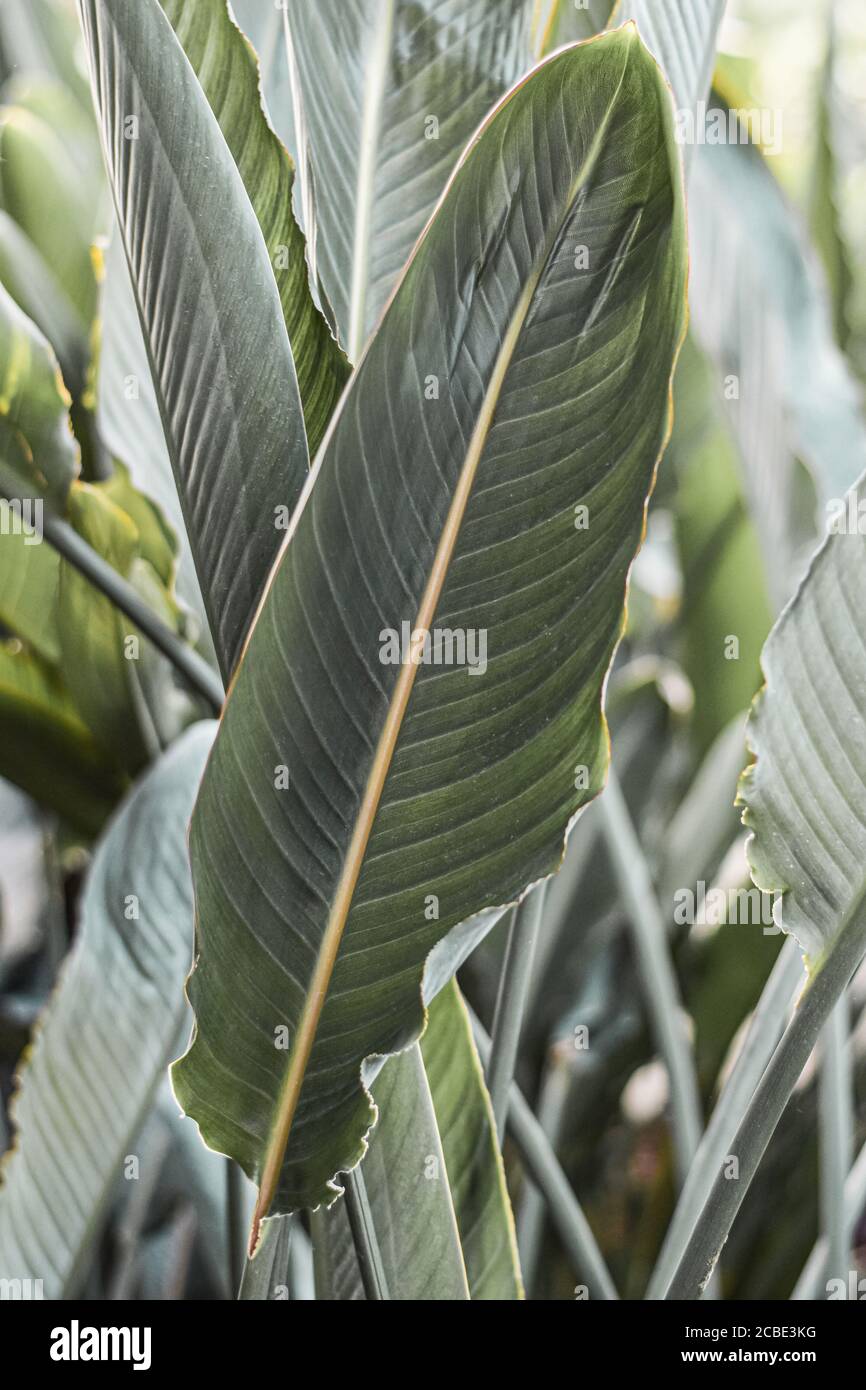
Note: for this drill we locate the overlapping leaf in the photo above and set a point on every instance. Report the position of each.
(108, 1033)
(805, 803)
(433, 1158)
(228, 70)
(36, 440)
(410, 82)
(522, 370)
(472, 1158)
(410, 1200)
(209, 306)
(805, 793)
(680, 34)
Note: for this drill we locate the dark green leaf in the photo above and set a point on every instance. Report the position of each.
(449, 508)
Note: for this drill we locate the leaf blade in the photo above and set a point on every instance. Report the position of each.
(345, 845)
(123, 981)
(229, 402)
(373, 174)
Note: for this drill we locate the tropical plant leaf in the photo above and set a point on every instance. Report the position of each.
(472, 1158)
(410, 1199)
(36, 440)
(228, 70)
(46, 749)
(805, 804)
(433, 1157)
(106, 1037)
(229, 399)
(804, 793)
(505, 387)
(128, 417)
(377, 143)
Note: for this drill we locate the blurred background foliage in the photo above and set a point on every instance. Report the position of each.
(77, 722)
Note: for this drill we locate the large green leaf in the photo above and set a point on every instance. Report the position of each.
(433, 1156)
(409, 81)
(506, 386)
(228, 70)
(106, 1037)
(805, 804)
(805, 792)
(211, 313)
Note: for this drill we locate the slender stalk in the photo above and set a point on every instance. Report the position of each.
(511, 1001)
(786, 979)
(768, 1103)
(545, 1171)
(667, 1017)
(836, 1131)
(815, 1270)
(61, 536)
(552, 1104)
(364, 1235)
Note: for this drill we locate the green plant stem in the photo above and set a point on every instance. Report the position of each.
(836, 1138)
(546, 1172)
(364, 1236)
(511, 1001)
(552, 1108)
(756, 1129)
(815, 1269)
(661, 994)
(66, 541)
(763, 1033)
